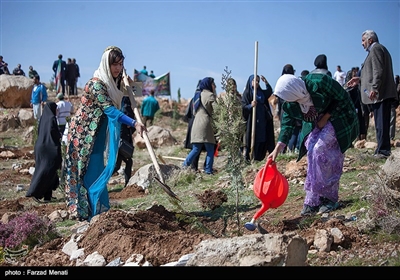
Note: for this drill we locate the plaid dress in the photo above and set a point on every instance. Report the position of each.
(324, 147)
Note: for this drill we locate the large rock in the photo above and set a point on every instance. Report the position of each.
(158, 137)
(15, 91)
(391, 171)
(252, 250)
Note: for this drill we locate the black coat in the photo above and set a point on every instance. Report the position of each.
(47, 153)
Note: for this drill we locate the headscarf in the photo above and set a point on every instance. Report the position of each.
(231, 86)
(293, 89)
(320, 62)
(104, 74)
(249, 89)
(288, 69)
(206, 83)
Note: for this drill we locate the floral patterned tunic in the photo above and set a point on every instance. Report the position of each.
(85, 186)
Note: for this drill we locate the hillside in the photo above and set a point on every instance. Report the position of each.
(134, 225)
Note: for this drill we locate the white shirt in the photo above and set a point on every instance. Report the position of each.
(340, 77)
(64, 110)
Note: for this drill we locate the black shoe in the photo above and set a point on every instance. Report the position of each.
(309, 210)
(327, 206)
(380, 156)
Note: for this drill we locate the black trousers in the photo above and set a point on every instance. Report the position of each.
(128, 168)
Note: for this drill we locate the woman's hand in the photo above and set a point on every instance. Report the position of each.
(264, 79)
(140, 128)
(278, 148)
(323, 121)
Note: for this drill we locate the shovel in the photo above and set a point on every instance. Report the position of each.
(271, 188)
(139, 119)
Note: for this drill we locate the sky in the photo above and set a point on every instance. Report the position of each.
(195, 39)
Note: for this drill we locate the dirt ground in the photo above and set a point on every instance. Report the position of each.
(162, 237)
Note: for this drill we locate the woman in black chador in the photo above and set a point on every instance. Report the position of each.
(47, 153)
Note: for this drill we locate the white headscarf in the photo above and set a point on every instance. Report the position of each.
(104, 74)
(293, 89)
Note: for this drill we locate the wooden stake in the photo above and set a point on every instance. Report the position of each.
(253, 123)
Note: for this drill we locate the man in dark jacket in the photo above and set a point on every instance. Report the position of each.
(377, 88)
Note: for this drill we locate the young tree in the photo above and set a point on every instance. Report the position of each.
(230, 127)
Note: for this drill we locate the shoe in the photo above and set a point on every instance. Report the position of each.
(37, 200)
(309, 210)
(380, 156)
(327, 206)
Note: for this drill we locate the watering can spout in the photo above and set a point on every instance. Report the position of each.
(261, 211)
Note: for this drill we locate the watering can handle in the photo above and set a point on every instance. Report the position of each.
(269, 162)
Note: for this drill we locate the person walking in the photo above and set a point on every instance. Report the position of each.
(329, 126)
(126, 134)
(149, 108)
(378, 89)
(202, 133)
(64, 111)
(264, 140)
(38, 97)
(48, 158)
(93, 138)
(189, 118)
(60, 69)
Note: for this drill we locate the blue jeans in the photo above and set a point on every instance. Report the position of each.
(196, 150)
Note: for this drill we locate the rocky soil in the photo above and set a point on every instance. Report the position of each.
(162, 237)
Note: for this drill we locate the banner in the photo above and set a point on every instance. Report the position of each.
(160, 84)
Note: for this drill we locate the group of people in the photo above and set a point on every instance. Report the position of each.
(145, 72)
(328, 116)
(329, 120)
(66, 75)
(4, 68)
(319, 107)
(18, 71)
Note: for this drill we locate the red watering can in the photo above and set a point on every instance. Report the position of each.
(271, 187)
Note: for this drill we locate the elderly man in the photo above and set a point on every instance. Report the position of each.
(377, 88)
